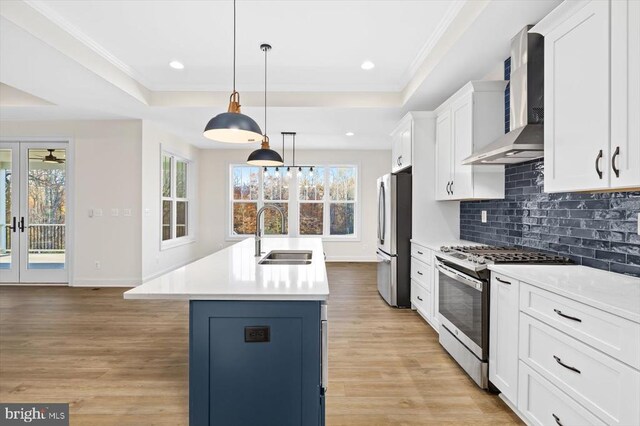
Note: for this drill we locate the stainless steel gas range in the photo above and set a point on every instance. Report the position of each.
(464, 300)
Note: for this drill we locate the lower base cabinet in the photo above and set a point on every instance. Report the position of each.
(255, 363)
(544, 404)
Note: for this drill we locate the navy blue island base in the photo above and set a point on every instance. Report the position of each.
(255, 363)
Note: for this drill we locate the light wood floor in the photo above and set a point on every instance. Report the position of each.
(123, 362)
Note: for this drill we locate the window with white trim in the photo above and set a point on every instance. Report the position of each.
(316, 201)
(175, 193)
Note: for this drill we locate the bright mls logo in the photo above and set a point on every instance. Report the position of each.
(34, 414)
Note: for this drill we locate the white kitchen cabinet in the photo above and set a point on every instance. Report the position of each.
(625, 94)
(592, 96)
(469, 120)
(402, 144)
(423, 294)
(503, 335)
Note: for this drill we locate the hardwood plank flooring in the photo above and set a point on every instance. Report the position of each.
(123, 362)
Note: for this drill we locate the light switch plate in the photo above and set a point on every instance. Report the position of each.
(97, 212)
(114, 212)
(484, 216)
(126, 212)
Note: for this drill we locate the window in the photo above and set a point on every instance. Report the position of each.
(318, 201)
(175, 198)
(253, 188)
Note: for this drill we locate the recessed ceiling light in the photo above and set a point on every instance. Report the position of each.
(349, 133)
(176, 65)
(367, 65)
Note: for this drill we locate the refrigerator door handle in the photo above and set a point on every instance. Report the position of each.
(383, 197)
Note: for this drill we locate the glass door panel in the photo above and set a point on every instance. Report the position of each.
(9, 214)
(44, 202)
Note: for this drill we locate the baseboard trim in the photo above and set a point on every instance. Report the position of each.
(105, 282)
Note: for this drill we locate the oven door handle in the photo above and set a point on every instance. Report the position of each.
(461, 278)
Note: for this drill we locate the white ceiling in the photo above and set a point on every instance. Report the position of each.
(109, 59)
(317, 45)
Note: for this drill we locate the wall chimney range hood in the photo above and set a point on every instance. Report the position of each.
(525, 140)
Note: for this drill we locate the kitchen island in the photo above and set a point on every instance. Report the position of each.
(257, 332)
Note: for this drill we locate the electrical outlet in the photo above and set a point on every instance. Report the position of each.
(147, 212)
(114, 212)
(484, 216)
(98, 265)
(126, 212)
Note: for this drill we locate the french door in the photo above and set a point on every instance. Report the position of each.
(33, 212)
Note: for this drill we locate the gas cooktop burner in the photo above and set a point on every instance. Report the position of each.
(492, 255)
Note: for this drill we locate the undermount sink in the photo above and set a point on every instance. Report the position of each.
(287, 257)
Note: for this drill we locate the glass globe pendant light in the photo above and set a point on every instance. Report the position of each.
(233, 126)
(265, 156)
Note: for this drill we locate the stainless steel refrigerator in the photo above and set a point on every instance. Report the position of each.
(394, 235)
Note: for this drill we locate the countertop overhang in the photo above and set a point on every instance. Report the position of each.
(615, 293)
(234, 273)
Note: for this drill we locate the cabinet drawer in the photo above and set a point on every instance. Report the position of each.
(600, 383)
(421, 273)
(421, 299)
(544, 404)
(421, 253)
(609, 333)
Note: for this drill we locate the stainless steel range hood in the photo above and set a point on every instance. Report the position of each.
(525, 140)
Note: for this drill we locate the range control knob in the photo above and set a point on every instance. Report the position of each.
(481, 261)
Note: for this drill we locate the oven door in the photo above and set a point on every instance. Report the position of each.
(463, 309)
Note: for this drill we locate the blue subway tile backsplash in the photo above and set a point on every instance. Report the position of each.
(593, 229)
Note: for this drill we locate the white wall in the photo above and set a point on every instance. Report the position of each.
(214, 179)
(106, 175)
(155, 260)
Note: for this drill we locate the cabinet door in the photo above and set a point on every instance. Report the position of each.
(396, 147)
(576, 73)
(406, 137)
(625, 94)
(462, 122)
(443, 156)
(503, 336)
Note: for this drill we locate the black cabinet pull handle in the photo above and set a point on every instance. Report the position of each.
(22, 224)
(419, 298)
(451, 187)
(448, 191)
(503, 281)
(419, 252)
(400, 161)
(559, 312)
(420, 273)
(568, 367)
(613, 162)
(598, 164)
(13, 227)
(557, 419)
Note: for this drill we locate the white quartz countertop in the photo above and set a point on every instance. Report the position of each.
(435, 244)
(234, 274)
(615, 293)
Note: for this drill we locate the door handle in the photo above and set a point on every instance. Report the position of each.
(21, 224)
(13, 227)
(613, 162)
(568, 367)
(598, 158)
(559, 312)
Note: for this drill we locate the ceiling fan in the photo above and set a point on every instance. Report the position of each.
(49, 158)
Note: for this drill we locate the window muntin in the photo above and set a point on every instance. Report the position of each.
(175, 194)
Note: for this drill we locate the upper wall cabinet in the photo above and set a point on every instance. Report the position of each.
(402, 144)
(469, 120)
(592, 96)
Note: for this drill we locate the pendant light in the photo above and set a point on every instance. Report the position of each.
(265, 156)
(233, 126)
